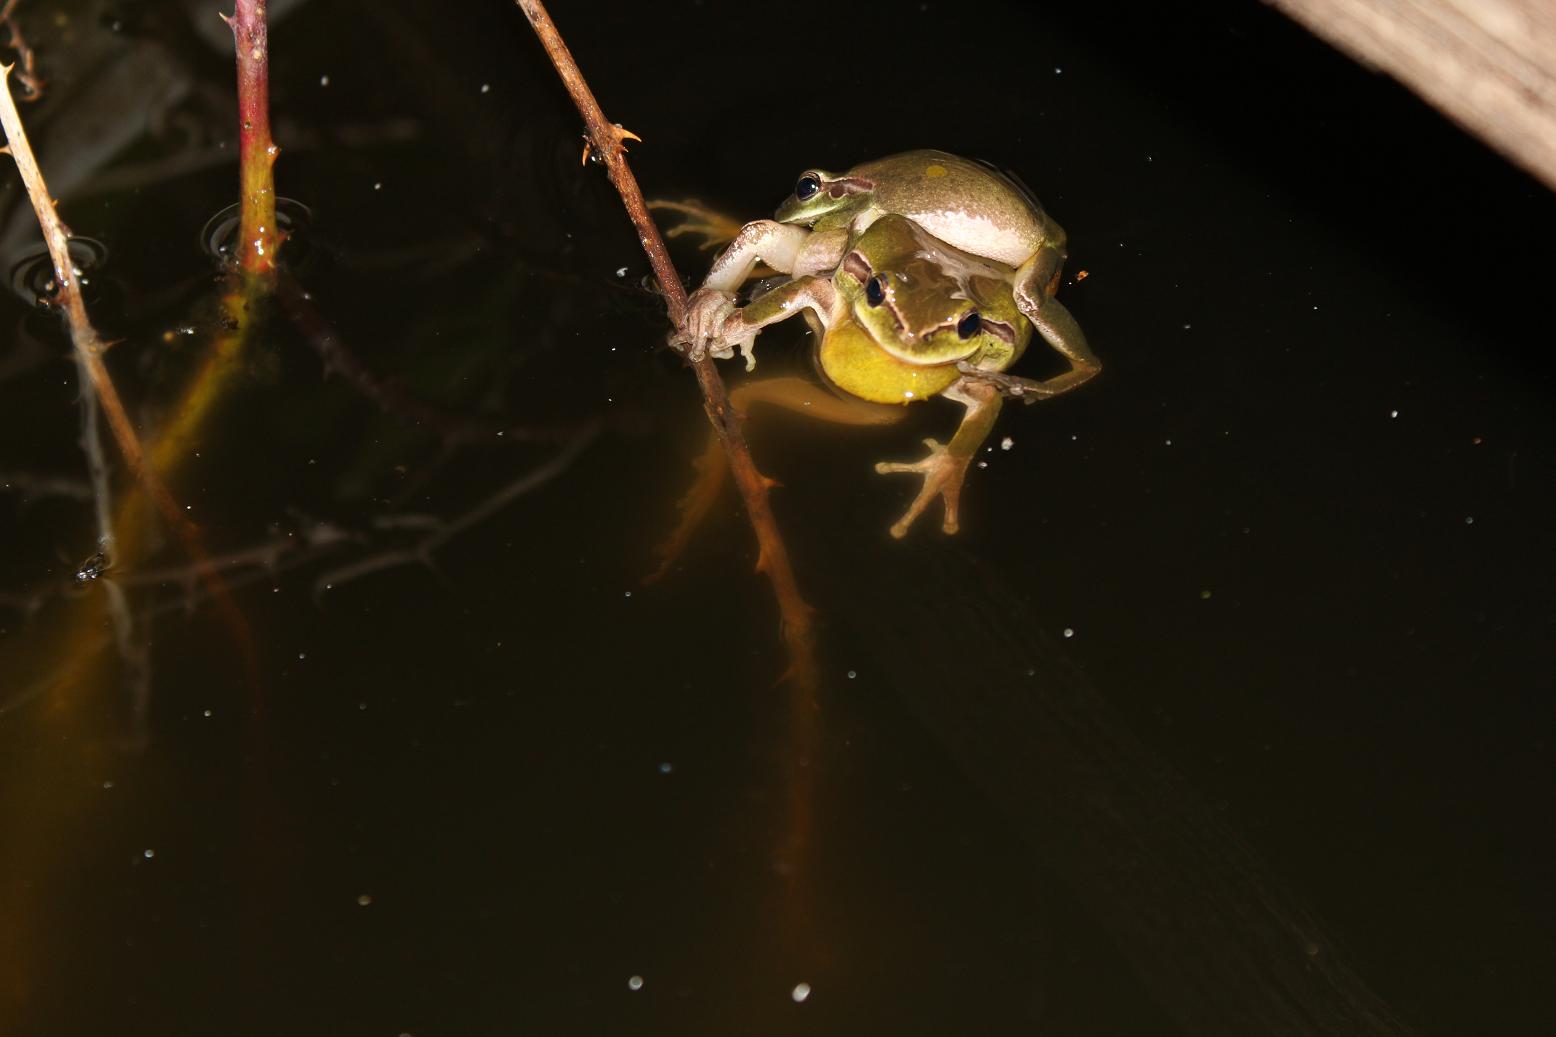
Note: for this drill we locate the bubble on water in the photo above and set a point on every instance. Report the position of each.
(219, 238)
(800, 992)
(32, 278)
(634, 982)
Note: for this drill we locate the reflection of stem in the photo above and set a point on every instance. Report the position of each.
(606, 140)
(258, 236)
(28, 76)
(89, 346)
(421, 553)
(389, 397)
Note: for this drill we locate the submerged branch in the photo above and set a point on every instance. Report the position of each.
(606, 140)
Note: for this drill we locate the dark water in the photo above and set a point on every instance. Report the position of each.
(1228, 711)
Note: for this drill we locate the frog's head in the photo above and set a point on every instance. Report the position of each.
(818, 193)
(927, 304)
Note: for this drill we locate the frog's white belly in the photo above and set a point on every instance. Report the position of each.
(967, 231)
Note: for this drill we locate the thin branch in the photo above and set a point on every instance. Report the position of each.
(773, 559)
(89, 347)
(258, 235)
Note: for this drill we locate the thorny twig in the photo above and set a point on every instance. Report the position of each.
(28, 76)
(773, 559)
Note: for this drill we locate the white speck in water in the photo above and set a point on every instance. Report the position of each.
(852, 674)
(207, 712)
(628, 594)
(983, 464)
(1469, 520)
(622, 272)
(1204, 595)
(324, 80)
(1168, 442)
(908, 395)
(666, 767)
(800, 992)
(364, 900)
(1058, 71)
(635, 983)
(1007, 443)
(302, 655)
(361, 705)
(486, 88)
(1186, 327)
(1069, 631)
(378, 186)
(107, 784)
(148, 854)
(1393, 413)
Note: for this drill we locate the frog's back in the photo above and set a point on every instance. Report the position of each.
(966, 204)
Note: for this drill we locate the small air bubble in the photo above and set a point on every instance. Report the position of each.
(1069, 631)
(800, 992)
(635, 983)
(852, 674)
(148, 854)
(364, 900)
(324, 80)
(486, 88)
(666, 767)
(1007, 443)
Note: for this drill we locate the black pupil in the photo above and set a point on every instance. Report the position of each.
(875, 292)
(807, 186)
(969, 325)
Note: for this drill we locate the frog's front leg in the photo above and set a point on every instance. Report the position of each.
(722, 330)
(945, 468)
(787, 249)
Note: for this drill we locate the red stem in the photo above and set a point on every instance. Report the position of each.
(259, 238)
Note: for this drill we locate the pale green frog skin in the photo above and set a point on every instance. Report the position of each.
(964, 204)
(904, 317)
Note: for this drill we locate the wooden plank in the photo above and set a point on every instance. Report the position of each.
(1488, 64)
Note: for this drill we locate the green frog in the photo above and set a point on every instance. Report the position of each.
(969, 206)
(902, 317)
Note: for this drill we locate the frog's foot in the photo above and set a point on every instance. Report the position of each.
(943, 473)
(714, 228)
(712, 326)
(621, 134)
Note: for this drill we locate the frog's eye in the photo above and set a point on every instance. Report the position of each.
(809, 184)
(969, 325)
(875, 292)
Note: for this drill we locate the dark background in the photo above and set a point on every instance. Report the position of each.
(1298, 530)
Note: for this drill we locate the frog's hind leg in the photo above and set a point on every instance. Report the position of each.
(945, 469)
(792, 394)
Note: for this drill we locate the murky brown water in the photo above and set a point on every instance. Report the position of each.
(1228, 711)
